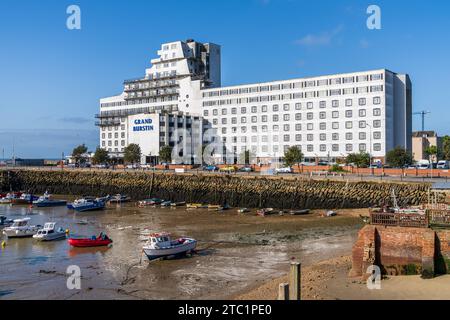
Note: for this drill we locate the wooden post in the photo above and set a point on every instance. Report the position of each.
(283, 291)
(294, 281)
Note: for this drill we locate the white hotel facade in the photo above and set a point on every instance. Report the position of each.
(328, 117)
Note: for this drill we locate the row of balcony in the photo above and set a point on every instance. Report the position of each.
(150, 85)
(151, 94)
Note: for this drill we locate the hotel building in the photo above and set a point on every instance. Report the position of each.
(328, 117)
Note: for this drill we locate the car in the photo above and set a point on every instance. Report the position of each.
(323, 163)
(443, 164)
(228, 169)
(284, 170)
(245, 169)
(211, 168)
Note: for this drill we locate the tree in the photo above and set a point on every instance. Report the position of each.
(431, 151)
(293, 155)
(399, 157)
(361, 159)
(79, 152)
(101, 156)
(165, 154)
(446, 148)
(132, 153)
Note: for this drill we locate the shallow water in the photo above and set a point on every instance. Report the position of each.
(235, 252)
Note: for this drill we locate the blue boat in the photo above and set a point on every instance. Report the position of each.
(84, 205)
(47, 201)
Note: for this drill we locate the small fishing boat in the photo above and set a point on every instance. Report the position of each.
(215, 207)
(243, 210)
(178, 204)
(119, 198)
(160, 245)
(5, 222)
(299, 212)
(50, 233)
(21, 229)
(166, 203)
(101, 241)
(84, 205)
(149, 202)
(24, 199)
(47, 201)
(264, 212)
(6, 199)
(196, 206)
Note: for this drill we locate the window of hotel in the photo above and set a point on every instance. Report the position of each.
(244, 139)
(298, 116)
(110, 143)
(243, 90)
(224, 112)
(234, 120)
(264, 109)
(335, 136)
(109, 135)
(310, 116)
(362, 112)
(103, 143)
(348, 80)
(243, 129)
(286, 107)
(377, 112)
(322, 115)
(362, 136)
(310, 148)
(335, 92)
(311, 83)
(224, 120)
(362, 124)
(254, 139)
(254, 129)
(348, 91)
(103, 136)
(362, 101)
(348, 113)
(243, 120)
(298, 127)
(310, 94)
(275, 149)
(205, 113)
(286, 86)
(323, 126)
(264, 148)
(335, 114)
(335, 103)
(323, 147)
(286, 138)
(323, 137)
(376, 100)
(264, 118)
(275, 139)
(276, 128)
(215, 112)
(254, 119)
(275, 108)
(362, 147)
(349, 102)
(349, 136)
(243, 110)
(103, 129)
(264, 128)
(335, 81)
(363, 78)
(286, 127)
(122, 127)
(122, 135)
(224, 130)
(309, 105)
(233, 129)
(335, 147)
(348, 124)
(310, 126)
(310, 137)
(378, 76)
(335, 125)
(253, 89)
(349, 147)
(275, 118)
(377, 147)
(215, 121)
(298, 106)
(264, 88)
(322, 82)
(254, 109)
(376, 88)
(376, 123)
(298, 137)
(377, 135)
(286, 117)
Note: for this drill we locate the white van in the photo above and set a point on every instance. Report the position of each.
(423, 164)
(443, 164)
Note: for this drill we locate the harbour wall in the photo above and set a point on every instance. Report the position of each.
(236, 191)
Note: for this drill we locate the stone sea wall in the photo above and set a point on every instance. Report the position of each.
(236, 191)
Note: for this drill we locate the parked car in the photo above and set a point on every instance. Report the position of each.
(245, 169)
(211, 168)
(228, 169)
(443, 164)
(323, 163)
(284, 170)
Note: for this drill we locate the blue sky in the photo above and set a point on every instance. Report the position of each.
(51, 78)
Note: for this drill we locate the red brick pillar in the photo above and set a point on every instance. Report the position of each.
(428, 253)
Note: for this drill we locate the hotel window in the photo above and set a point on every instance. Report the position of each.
(254, 129)
(286, 138)
(116, 143)
(243, 110)
(310, 126)
(322, 82)
(244, 139)
(362, 136)
(297, 95)
(348, 124)
(253, 89)
(323, 147)
(298, 127)
(275, 139)
(362, 101)
(310, 148)
(348, 113)
(377, 135)
(377, 112)
(362, 112)
(254, 109)
(243, 120)
(335, 103)
(377, 147)
(233, 129)
(276, 128)
(234, 120)
(264, 118)
(224, 112)
(310, 84)
(264, 109)
(322, 115)
(348, 79)
(362, 147)
(275, 118)
(298, 106)
(215, 121)
(362, 124)
(376, 88)
(275, 148)
(243, 129)
(335, 114)
(376, 100)
(215, 113)
(335, 125)
(323, 137)
(122, 127)
(298, 137)
(103, 136)
(224, 130)
(123, 135)
(309, 105)
(323, 104)
(335, 147)
(310, 116)
(286, 117)
(363, 78)
(264, 88)
(348, 147)
(323, 126)
(378, 76)
(123, 143)
(109, 135)
(254, 119)
(349, 102)
(348, 91)
(205, 113)
(254, 139)
(310, 137)
(265, 148)
(103, 143)
(335, 92)
(349, 136)
(335, 81)
(264, 128)
(286, 127)
(275, 108)
(335, 136)
(298, 116)
(286, 107)
(376, 123)
(224, 120)
(286, 86)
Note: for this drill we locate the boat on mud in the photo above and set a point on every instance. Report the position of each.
(150, 202)
(21, 229)
(47, 201)
(265, 212)
(24, 199)
(243, 210)
(119, 198)
(50, 233)
(101, 241)
(6, 198)
(160, 245)
(87, 204)
(178, 204)
(196, 206)
(299, 212)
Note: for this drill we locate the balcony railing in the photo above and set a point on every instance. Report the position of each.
(104, 123)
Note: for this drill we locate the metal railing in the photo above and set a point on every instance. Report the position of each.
(410, 220)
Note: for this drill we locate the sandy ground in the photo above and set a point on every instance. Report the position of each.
(328, 280)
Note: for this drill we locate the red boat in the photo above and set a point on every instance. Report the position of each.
(100, 241)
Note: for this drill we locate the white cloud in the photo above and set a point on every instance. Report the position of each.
(325, 38)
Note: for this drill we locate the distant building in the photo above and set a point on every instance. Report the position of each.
(17, 162)
(421, 140)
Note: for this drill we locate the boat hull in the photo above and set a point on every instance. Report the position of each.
(178, 250)
(89, 243)
(20, 233)
(89, 207)
(50, 204)
(50, 237)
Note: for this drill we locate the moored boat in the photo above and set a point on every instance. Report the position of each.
(160, 245)
(21, 229)
(5, 222)
(196, 206)
(24, 199)
(299, 212)
(150, 202)
(47, 201)
(119, 198)
(84, 205)
(178, 204)
(6, 199)
(100, 241)
(264, 212)
(50, 233)
(243, 210)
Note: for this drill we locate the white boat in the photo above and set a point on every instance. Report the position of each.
(47, 201)
(21, 229)
(160, 245)
(49, 233)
